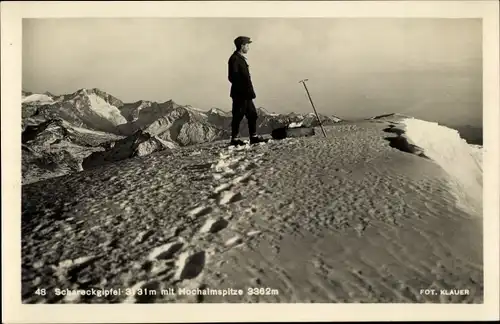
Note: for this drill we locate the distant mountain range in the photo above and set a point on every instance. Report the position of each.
(71, 132)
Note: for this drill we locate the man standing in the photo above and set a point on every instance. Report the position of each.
(242, 93)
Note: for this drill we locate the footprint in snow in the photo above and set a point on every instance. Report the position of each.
(222, 187)
(214, 225)
(253, 233)
(236, 240)
(71, 268)
(200, 211)
(227, 197)
(142, 237)
(165, 252)
(228, 185)
(190, 265)
(218, 176)
(243, 178)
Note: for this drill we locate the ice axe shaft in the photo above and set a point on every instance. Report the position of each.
(312, 104)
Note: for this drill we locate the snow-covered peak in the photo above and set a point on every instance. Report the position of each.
(171, 102)
(89, 90)
(143, 104)
(217, 111)
(107, 110)
(264, 111)
(197, 110)
(38, 98)
(99, 93)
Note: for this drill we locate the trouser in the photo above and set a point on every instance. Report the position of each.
(244, 108)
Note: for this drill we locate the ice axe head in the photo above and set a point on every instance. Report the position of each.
(302, 81)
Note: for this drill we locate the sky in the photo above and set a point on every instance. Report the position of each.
(357, 67)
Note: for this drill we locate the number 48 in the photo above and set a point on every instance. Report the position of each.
(41, 292)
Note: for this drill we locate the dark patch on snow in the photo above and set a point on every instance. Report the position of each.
(402, 144)
(286, 132)
(193, 266)
(393, 129)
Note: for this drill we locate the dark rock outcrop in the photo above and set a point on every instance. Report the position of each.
(139, 144)
(55, 147)
(185, 126)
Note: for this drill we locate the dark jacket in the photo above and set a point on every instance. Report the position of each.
(239, 76)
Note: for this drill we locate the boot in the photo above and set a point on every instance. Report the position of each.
(257, 139)
(237, 142)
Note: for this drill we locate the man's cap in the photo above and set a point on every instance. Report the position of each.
(242, 40)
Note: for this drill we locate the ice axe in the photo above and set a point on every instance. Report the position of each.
(312, 104)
